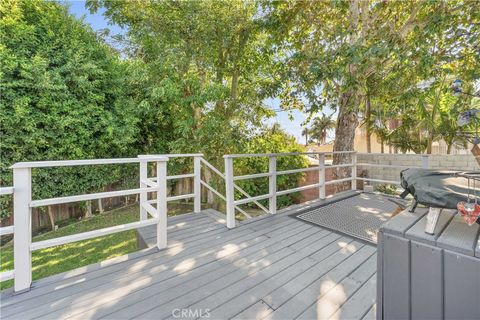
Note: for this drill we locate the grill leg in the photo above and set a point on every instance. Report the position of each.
(432, 219)
(414, 206)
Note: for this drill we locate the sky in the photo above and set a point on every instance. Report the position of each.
(291, 121)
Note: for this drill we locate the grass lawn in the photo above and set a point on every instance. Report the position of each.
(55, 260)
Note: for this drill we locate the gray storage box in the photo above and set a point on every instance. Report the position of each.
(422, 276)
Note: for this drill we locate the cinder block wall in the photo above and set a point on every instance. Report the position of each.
(455, 162)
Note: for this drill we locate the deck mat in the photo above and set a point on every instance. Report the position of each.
(360, 216)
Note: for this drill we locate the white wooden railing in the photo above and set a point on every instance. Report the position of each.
(156, 207)
(272, 174)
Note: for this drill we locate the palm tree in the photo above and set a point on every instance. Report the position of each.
(305, 133)
(319, 128)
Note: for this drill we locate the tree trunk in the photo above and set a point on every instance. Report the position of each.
(382, 147)
(182, 187)
(449, 148)
(88, 213)
(347, 122)
(234, 87)
(429, 143)
(51, 217)
(208, 179)
(368, 115)
(100, 206)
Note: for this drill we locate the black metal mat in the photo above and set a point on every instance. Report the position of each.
(360, 216)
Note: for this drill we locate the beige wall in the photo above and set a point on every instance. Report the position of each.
(360, 144)
(455, 162)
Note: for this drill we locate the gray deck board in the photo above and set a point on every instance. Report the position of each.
(330, 301)
(257, 270)
(371, 314)
(361, 302)
(258, 310)
(308, 295)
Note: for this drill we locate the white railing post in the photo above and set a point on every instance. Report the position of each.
(354, 171)
(162, 204)
(197, 169)
(229, 192)
(272, 184)
(321, 175)
(425, 161)
(143, 194)
(22, 196)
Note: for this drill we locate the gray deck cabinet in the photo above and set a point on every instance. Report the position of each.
(422, 276)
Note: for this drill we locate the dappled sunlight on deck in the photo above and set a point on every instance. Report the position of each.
(329, 299)
(346, 247)
(172, 251)
(227, 250)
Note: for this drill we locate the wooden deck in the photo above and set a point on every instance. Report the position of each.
(274, 267)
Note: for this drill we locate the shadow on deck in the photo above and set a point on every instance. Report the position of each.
(271, 267)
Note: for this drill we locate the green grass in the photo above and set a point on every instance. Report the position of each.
(58, 259)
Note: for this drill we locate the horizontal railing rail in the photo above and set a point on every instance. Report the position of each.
(71, 163)
(246, 155)
(6, 191)
(87, 197)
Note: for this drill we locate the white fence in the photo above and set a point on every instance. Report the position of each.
(157, 207)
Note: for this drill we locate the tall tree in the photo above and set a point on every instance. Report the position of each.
(305, 133)
(204, 70)
(319, 128)
(331, 48)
